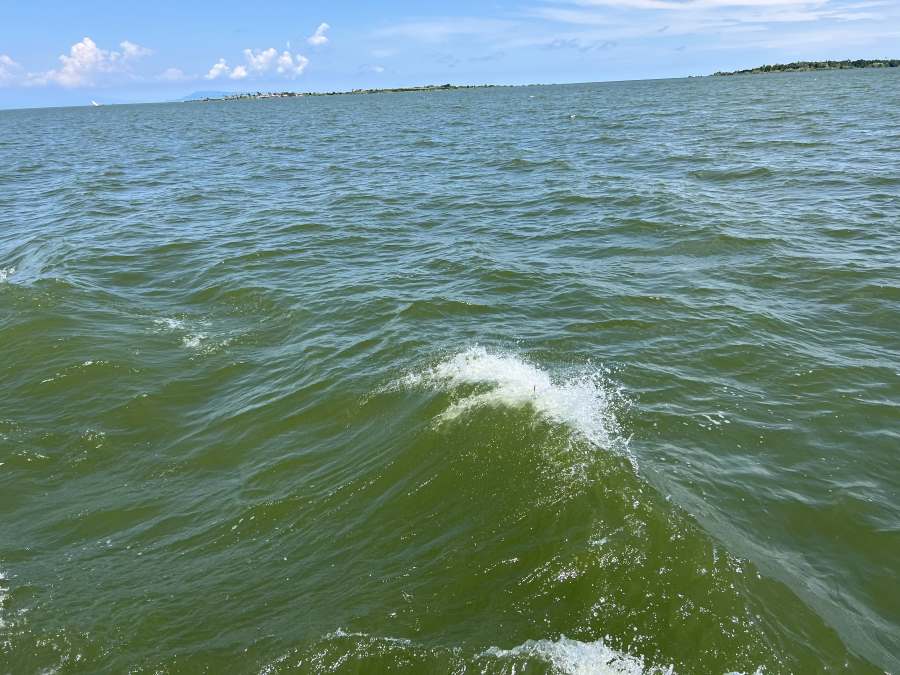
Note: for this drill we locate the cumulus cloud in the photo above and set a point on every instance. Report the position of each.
(219, 69)
(261, 62)
(85, 61)
(291, 64)
(133, 51)
(319, 38)
(9, 70)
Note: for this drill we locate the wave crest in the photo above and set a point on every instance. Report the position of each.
(585, 402)
(573, 657)
(4, 590)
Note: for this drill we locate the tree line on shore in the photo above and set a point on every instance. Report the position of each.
(391, 90)
(799, 66)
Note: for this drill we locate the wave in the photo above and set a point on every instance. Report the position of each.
(342, 650)
(191, 337)
(736, 174)
(441, 307)
(523, 164)
(584, 402)
(171, 324)
(4, 590)
(573, 657)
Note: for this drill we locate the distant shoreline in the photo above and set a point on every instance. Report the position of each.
(807, 66)
(352, 92)
(202, 96)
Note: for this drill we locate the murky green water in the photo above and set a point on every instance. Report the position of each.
(596, 378)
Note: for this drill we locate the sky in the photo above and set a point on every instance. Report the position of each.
(73, 52)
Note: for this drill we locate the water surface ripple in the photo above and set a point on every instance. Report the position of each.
(584, 378)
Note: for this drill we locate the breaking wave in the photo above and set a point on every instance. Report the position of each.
(3, 592)
(585, 402)
(573, 657)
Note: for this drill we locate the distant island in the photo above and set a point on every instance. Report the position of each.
(804, 66)
(291, 94)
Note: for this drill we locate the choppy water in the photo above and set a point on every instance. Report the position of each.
(597, 378)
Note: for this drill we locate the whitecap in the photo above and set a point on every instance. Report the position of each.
(193, 341)
(584, 402)
(6, 273)
(4, 590)
(573, 657)
(171, 324)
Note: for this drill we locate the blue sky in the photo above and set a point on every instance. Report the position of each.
(68, 53)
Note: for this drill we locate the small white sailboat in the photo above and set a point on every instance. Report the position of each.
(95, 104)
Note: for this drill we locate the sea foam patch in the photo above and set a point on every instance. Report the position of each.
(191, 337)
(4, 589)
(6, 273)
(573, 657)
(170, 323)
(585, 401)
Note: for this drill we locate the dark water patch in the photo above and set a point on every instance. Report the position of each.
(522, 164)
(191, 198)
(357, 198)
(507, 280)
(763, 143)
(609, 139)
(573, 198)
(428, 143)
(883, 180)
(735, 174)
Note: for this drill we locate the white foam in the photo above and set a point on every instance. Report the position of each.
(171, 324)
(193, 341)
(573, 657)
(583, 402)
(6, 273)
(341, 633)
(3, 591)
(191, 338)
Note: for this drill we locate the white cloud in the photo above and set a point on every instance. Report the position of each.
(172, 75)
(261, 62)
(614, 20)
(85, 61)
(822, 38)
(319, 38)
(133, 51)
(441, 30)
(675, 5)
(220, 69)
(292, 65)
(9, 70)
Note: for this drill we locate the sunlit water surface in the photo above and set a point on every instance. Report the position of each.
(594, 378)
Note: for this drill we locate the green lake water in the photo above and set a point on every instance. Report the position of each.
(580, 379)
